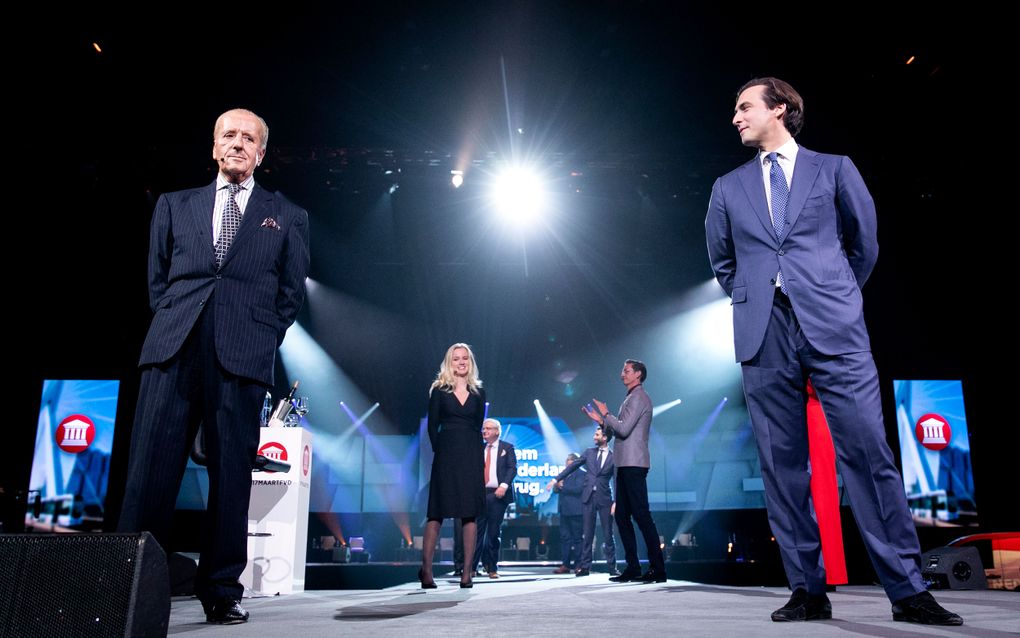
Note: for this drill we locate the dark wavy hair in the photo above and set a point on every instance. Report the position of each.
(638, 367)
(779, 92)
(606, 432)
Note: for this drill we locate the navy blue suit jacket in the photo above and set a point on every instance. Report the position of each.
(258, 290)
(597, 480)
(828, 252)
(506, 469)
(571, 494)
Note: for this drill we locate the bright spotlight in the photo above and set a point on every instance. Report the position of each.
(659, 409)
(458, 178)
(518, 195)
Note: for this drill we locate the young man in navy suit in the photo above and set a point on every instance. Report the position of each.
(792, 238)
(227, 267)
(596, 498)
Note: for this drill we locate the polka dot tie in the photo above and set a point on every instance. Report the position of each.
(229, 224)
(780, 200)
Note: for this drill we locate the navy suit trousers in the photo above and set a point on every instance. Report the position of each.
(847, 386)
(608, 544)
(489, 526)
(571, 538)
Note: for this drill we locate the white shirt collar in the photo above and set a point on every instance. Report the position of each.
(787, 151)
(221, 182)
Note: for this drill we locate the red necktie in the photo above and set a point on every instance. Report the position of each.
(488, 459)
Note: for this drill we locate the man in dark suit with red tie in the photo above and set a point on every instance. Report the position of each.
(227, 267)
(500, 471)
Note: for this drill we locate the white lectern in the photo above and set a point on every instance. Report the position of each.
(278, 515)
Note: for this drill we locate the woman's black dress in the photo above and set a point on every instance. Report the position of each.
(457, 487)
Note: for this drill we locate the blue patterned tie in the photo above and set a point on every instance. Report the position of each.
(229, 224)
(780, 199)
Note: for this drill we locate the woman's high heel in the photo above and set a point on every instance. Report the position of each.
(421, 579)
(467, 585)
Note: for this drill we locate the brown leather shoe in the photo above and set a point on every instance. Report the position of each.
(493, 574)
(562, 569)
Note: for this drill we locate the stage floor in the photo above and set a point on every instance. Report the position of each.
(534, 602)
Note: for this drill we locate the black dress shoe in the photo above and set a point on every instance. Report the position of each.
(457, 572)
(653, 576)
(626, 576)
(804, 606)
(226, 612)
(614, 572)
(582, 572)
(924, 610)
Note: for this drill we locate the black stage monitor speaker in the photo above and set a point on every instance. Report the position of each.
(953, 568)
(74, 585)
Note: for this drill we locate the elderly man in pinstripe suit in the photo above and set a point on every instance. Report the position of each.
(227, 266)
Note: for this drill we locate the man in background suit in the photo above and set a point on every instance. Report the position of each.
(227, 266)
(500, 471)
(792, 238)
(631, 429)
(570, 509)
(596, 498)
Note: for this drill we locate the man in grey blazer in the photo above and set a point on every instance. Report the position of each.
(596, 498)
(631, 429)
(792, 239)
(227, 267)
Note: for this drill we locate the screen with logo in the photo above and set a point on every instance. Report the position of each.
(71, 465)
(935, 453)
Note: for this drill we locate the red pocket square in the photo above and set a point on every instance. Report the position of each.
(269, 222)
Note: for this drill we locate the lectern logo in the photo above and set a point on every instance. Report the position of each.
(75, 433)
(274, 451)
(933, 432)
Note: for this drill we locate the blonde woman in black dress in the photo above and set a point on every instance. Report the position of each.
(456, 489)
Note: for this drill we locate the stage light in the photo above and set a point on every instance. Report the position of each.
(518, 195)
(457, 178)
(393, 188)
(659, 409)
(555, 442)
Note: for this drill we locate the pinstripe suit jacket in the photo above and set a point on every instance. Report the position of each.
(258, 289)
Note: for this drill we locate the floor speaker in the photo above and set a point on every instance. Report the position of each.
(953, 568)
(78, 585)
